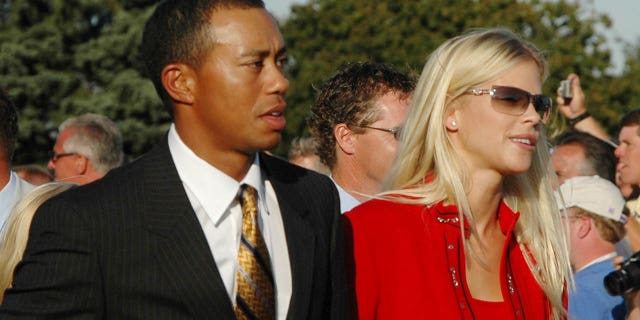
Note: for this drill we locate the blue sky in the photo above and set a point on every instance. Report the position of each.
(280, 8)
(625, 15)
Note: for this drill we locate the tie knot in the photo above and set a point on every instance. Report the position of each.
(247, 194)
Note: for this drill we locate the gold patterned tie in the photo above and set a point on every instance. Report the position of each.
(255, 298)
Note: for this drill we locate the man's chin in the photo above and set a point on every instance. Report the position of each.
(272, 142)
(630, 179)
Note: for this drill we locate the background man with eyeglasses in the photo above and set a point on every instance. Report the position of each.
(87, 147)
(356, 120)
(12, 188)
(595, 224)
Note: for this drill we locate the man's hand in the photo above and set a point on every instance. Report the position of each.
(577, 105)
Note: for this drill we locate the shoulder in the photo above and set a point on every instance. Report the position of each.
(595, 271)
(385, 213)
(382, 207)
(301, 189)
(591, 298)
(119, 185)
(22, 187)
(277, 165)
(589, 284)
(284, 172)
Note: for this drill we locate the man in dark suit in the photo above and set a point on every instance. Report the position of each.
(159, 238)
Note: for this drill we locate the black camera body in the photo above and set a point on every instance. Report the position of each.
(626, 278)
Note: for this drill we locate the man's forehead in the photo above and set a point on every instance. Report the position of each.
(628, 132)
(252, 29)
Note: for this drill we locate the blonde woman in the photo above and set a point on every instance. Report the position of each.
(468, 227)
(15, 231)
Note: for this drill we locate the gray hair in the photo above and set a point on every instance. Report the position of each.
(97, 138)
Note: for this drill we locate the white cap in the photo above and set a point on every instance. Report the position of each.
(593, 194)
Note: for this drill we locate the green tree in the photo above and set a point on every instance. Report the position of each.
(62, 58)
(324, 34)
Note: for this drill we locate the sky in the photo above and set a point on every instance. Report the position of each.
(625, 15)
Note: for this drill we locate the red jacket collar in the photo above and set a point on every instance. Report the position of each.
(449, 214)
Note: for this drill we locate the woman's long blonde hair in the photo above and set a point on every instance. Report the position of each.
(15, 231)
(427, 154)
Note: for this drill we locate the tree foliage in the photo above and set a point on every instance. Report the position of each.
(61, 58)
(324, 34)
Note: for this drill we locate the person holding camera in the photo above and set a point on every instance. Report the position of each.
(593, 215)
(573, 106)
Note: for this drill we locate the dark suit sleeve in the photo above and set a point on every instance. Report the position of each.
(57, 278)
(340, 295)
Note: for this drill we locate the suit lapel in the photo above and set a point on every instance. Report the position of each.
(300, 237)
(182, 249)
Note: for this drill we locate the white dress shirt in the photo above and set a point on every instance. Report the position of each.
(11, 193)
(213, 196)
(347, 201)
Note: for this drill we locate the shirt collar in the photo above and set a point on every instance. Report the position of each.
(215, 191)
(605, 257)
(7, 195)
(347, 201)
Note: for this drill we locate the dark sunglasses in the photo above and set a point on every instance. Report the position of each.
(514, 101)
(55, 156)
(394, 131)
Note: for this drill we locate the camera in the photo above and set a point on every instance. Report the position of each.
(565, 90)
(626, 278)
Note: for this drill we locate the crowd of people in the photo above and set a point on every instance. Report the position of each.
(439, 197)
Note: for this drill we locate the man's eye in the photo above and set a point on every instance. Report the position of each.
(282, 61)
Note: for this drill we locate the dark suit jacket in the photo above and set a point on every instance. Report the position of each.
(130, 246)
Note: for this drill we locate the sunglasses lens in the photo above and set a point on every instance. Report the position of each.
(397, 134)
(510, 100)
(543, 105)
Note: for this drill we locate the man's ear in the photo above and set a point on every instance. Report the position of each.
(179, 81)
(585, 226)
(345, 138)
(81, 164)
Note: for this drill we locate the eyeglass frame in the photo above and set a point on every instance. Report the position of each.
(531, 99)
(395, 131)
(53, 156)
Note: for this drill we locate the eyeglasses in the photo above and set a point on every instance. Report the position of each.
(55, 156)
(394, 131)
(569, 216)
(514, 101)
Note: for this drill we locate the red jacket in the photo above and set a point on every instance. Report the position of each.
(408, 262)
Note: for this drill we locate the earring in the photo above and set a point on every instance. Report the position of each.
(454, 123)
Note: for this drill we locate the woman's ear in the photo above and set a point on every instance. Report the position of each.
(451, 123)
(179, 81)
(452, 111)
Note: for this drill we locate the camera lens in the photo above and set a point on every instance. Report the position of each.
(624, 279)
(616, 283)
